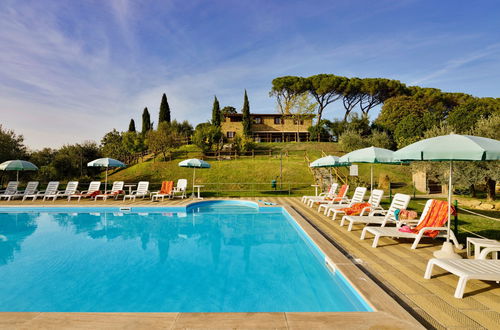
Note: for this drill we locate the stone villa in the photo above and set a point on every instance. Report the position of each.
(269, 127)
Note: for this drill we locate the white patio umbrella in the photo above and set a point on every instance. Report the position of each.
(450, 148)
(107, 163)
(194, 163)
(18, 165)
(372, 155)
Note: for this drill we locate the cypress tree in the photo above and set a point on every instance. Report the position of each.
(131, 126)
(164, 110)
(146, 121)
(216, 113)
(247, 123)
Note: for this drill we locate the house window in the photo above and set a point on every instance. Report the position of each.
(298, 122)
(278, 121)
(235, 119)
(257, 120)
(230, 135)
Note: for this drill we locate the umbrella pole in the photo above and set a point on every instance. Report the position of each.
(447, 251)
(371, 177)
(194, 176)
(17, 176)
(106, 181)
(450, 187)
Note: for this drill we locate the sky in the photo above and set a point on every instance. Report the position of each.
(70, 71)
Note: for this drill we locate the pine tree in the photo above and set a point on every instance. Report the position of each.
(146, 121)
(164, 110)
(247, 123)
(216, 113)
(131, 126)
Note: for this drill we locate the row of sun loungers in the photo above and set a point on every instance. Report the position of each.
(432, 223)
(51, 192)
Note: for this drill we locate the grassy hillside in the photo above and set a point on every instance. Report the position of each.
(252, 175)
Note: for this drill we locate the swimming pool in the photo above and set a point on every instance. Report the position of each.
(209, 257)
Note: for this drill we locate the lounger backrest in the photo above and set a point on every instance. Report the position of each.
(399, 202)
(31, 188)
(376, 197)
(359, 195)
(11, 188)
(117, 186)
(71, 187)
(182, 184)
(333, 189)
(94, 186)
(142, 187)
(52, 187)
(425, 210)
(343, 190)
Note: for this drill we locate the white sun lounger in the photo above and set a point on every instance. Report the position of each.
(116, 189)
(466, 269)
(357, 197)
(400, 201)
(374, 201)
(29, 190)
(322, 196)
(50, 190)
(335, 197)
(180, 189)
(394, 231)
(93, 187)
(142, 191)
(10, 190)
(71, 189)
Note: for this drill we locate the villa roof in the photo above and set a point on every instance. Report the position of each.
(264, 115)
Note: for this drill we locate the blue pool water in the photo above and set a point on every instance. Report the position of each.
(214, 257)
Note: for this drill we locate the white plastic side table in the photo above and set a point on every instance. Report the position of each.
(474, 243)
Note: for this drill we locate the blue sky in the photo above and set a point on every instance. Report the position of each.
(73, 70)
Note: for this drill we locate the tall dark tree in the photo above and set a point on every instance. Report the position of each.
(146, 121)
(131, 126)
(164, 110)
(216, 113)
(247, 122)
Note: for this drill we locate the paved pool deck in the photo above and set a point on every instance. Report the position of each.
(390, 277)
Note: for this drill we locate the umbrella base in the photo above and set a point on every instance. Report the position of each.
(447, 252)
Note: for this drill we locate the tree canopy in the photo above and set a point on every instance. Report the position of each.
(216, 113)
(247, 122)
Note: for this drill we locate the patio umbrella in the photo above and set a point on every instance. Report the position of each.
(450, 148)
(194, 163)
(18, 165)
(328, 161)
(372, 155)
(107, 163)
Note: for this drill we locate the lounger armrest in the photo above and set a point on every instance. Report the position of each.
(380, 212)
(424, 229)
(407, 222)
(484, 253)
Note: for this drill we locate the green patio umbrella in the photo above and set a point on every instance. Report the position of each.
(194, 163)
(450, 148)
(18, 165)
(107, 163)
(372, 155)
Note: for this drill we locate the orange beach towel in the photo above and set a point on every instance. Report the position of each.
(355, 209)
(166, 187)
(436, 216)
(342, 193)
